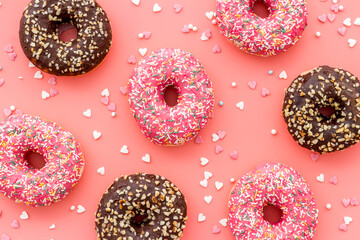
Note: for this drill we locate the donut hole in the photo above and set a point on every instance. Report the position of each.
(35, 160)
(139, 219)
(67, 31)
(261, 8)
(272, 213)
(326, 112)
(171, 95)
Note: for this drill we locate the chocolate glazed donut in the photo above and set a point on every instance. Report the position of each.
(312, 91)
(39, 35)
(141, 206)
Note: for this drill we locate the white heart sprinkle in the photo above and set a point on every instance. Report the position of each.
(124, 149)
(208, 199)
(207, 175)
(204, 161)
(52, 226)
(136, 2)
(87, 113)
(96, 134)
(80, 209)
(105, 93)
(357, 22)
(31, 65)
(156, 8)
(24, 215)
(347, 22)
(204, 183)
(38, 75)
(215, 137)
(283, 75)
(101, 171)
(201, 217)
(204, 38)
(347, 220)
(223, 222)
(209, 15)
(142, 51)
(146, 158)
(352, 42)
(45, 95)
(240, 105)
(321, 178)
(218, 185)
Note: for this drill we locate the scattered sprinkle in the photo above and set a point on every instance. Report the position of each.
(234, 155)
(101, 171)
(156, 8)
(216, 229)
(38, 75)
(178, 7)
(80, 209)
(345, 202)
(321, 178)
(328, 206)
(204, 183)
(252, 85)
(318, 34)
(233, 84)
(204, 161)
(221, 103)
(223, 222)
(273, 131)
(52, 226)
(208, 199)
(24, 215)
(146, 158)
(271, 72)
(87, 113)
(240, 105)
(201, 217)
(15, 224)
(219, 185)
(333, 180)
(96, 134)
(136, 2)
(283, 75)
(347, 22)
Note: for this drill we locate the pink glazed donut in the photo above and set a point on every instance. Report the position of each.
(278, 185)
(161, 123)
(262, 36)
(22, 133)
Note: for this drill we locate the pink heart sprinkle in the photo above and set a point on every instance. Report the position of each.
(322, 18)
(216, 49)
(185, 29)
(207, 33)
(346, 202)
(9, 48)
(221, 134)
(198, 140)
(18, 111)
(216, 229)
(147, 35)
(5, 237)
(331, 17)
(12, 56)
(333, 180)
(218, 149)
(234, 155)
(112, 107)
(53, 92)
(342, 31)
(354, 201)
(265, 92)
(314, 156)
(252, 85)
(1, 81)
(15, 224)
(7, 112)
(52, 81)
(343, 227)
(335, 8)
(131, 59)
(105, 100)
(123, 90)
(178, 7)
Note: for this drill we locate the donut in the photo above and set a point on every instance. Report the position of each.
(278, 185)
(262, 36)
(19, 181)
(160, 123)
(319, 88)
(141, 206)
(40, 41)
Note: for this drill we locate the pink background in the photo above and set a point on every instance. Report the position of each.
(247, 131)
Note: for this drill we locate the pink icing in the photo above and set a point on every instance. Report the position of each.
(20, 134)
(262, 36)
(161, 123)
(277, 185)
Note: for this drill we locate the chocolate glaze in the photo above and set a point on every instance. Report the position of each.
(39, 36)
(323, 87)
(141, 206)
